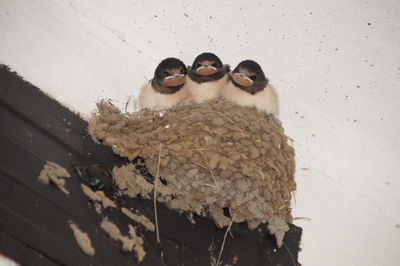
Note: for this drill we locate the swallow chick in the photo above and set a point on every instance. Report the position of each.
(248, 86)
(206, 77)
(166, 89)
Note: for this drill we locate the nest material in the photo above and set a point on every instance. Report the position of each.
(214, 156)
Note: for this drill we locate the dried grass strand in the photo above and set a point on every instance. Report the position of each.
(211, 171)
(223, 241)
(155, 195)
(290, 253)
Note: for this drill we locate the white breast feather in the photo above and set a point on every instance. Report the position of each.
(151, 99)
(265, 100)
(206, 91)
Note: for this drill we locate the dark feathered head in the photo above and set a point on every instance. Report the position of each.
(207, 67)
(249, 76)
(169, 76)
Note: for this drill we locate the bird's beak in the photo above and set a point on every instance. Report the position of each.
(242, 79)
(175, 76)
(206, 70)
(174, 80)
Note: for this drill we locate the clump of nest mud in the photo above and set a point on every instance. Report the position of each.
(211, 156)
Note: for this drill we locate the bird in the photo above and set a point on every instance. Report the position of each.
(248, 86)
(166, 88)
(206, 77)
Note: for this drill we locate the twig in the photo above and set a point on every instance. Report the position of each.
(223, 241)
(302, 218)
(127, 102)
(202, 166)
(270, 164)
(230, 233)
(211, 171)
(212, 131)
(215, 181)
(209, 185)
(155, 195)
(290, 253)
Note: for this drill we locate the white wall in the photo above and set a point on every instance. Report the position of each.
(336, 65)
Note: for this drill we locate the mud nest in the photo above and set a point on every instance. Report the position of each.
(211, 156)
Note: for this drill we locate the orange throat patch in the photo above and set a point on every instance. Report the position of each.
(172, 81)
(206, 71)
(242, 81)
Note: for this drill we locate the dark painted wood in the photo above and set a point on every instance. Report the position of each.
(8, 245)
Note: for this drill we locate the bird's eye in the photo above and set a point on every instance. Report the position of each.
(214, 65)
(182, 71)
(165, 73)
(198, 65)
(253, 78)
